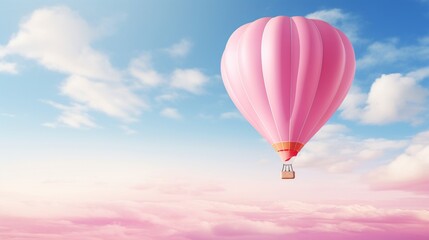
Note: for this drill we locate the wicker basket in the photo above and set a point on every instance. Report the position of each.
(288, 175)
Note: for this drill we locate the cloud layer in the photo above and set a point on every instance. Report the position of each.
(186, 212)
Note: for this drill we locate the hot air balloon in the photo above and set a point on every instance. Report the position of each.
(287, 76)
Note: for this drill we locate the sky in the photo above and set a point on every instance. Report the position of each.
(115, 124)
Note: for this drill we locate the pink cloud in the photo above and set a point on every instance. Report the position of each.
(190, 208)
(408, 171)
(204, 219)
(350, 152)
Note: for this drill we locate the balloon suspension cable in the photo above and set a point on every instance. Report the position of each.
(287, 167)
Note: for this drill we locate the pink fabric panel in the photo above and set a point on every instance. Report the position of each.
(249, 62)
(276, 67)
(308, 69)
(333, 66)
(345, 84)
(232, 80)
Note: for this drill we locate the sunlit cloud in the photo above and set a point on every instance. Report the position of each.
(391, 98)
(60, 40)
(406, 172)
(75, 116)
(334, 150)
(112, 98)
(179, 49)
(8, 67)
(141, 68)
(191, 80)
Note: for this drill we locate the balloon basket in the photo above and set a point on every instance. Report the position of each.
(288, 175)
(288, 172)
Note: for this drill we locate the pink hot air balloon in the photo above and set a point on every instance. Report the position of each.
(287, 76)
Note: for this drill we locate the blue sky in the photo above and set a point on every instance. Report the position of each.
(131, 78)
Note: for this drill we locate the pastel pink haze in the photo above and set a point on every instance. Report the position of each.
(117, 200)
(154, 212)
(287, 76)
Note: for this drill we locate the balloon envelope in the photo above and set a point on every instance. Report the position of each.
(287, 76)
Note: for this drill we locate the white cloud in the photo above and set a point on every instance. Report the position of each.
(180, 49)
(59, 39)
(343, 21)
(112, 98)
(141, 68)
(380, 53)
(333, 150)
(167, 97)
(392, 98)
(230, 115)
(127, 130)
(171, 113)
(332, 16)
(75, 116)
(388, 52)
(408, 171)
(353, 104)
(191, 80)
(8, 67)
